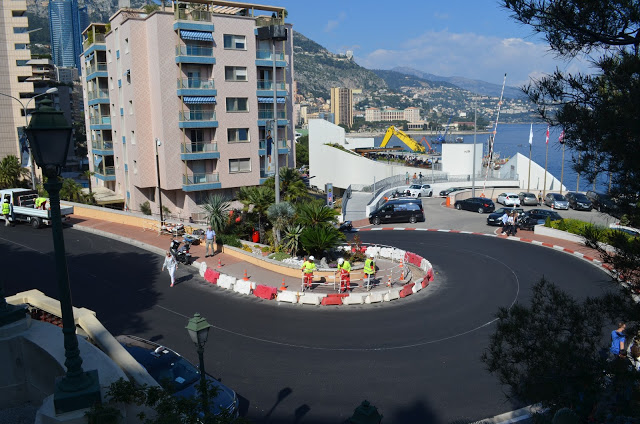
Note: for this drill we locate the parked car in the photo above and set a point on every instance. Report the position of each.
(476, 204)
(450, 190)
(602, 202)
(509, 199)
(629, 230)
(398, 210)
(534, 217)
(177, 375)
(494, 218)
(578, 201)
(420, 190)
(556, 201)
(528, 199)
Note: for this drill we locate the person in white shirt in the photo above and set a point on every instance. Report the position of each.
(504, 218)
(171, 264)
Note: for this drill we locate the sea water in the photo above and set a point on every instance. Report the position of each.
(514, 138)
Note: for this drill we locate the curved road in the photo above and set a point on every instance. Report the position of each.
(417, 359)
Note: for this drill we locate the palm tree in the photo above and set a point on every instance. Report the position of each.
(292, 238)
(71, 191)
(217, 209)
(316, 240)
(11, 172)
(88, 174)
(258, 199)
(312, 214)
(292, 188)
(280, 215)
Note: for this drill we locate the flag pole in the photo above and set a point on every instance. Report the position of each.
(546, 159)
(530, 144)
(562, 169)
(578, 179)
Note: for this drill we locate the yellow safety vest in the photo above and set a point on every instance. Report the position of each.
(308, 267)
(5, 208)
(346, 266)
(369, 266)
(40, 201)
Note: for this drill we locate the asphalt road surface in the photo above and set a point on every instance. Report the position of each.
(417, 360)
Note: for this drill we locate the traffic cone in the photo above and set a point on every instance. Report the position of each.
(389, 282)
(245, 278)
(219, 263)
(283, 287)
(402, 275)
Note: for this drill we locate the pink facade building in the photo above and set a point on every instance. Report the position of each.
(192, 86)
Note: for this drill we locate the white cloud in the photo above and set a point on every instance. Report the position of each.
(470, 55)
(333, 23)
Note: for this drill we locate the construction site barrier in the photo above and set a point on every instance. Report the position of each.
(265, 292)
(407, 290)
(211, 276)
(392, 294)
(355, 299)
(226, 282)
(331, 300)
(202, 268)
(243, 287)
(311, 298)
(287, 296)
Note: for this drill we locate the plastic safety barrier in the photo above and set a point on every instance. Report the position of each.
(265, 292)
(331, 300)
(355, 299)
(226, 282)
(310, 298)
(407, 290)
(211, 276)
(393, 294)
(243, 287)
(287, 296)
(375, 297)
(202, 269)
(430, 276)
(417, 286)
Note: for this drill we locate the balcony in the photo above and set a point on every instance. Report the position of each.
(199, 151)
(98, 96)
(195, 54)
(268, 114)
(265, 58)
(96, 70)
(265, 88)
(192, 15)
(196, 87)
(197, 119)
(283, 149)
(199, 182)
(100, 147)
(99, 39)
(106, 173)
(100, 122)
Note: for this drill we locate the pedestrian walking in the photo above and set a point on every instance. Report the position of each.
(539, 198)
(210, 239)
(510, 224)
(7, 210)
(617, 348)
(406, 177)
(504, 219)
(515, 222)
(171, 264)
(420, 176)
(415, 177)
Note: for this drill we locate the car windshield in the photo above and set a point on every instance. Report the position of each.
(513, 196)
(558, 196)
(417, 186)
(529, 195)
(173, 372)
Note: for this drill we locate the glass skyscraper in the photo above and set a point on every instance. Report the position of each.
(66, 22)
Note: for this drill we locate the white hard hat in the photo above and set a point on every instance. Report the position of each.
(340, 261)
(311, 258)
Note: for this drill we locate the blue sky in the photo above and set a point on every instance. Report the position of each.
(474, 38)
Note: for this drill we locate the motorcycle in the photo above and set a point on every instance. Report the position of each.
(181, 253)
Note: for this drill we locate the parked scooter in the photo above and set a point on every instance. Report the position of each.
(181, 254)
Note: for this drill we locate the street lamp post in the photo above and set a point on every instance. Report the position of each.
(26, 123)
(159, 143)
(198, 328)
(49, 134)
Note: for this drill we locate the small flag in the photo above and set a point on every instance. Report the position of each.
(531, 135)
(561, 138)
(547, 141)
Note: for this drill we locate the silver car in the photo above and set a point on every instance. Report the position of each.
(556, 201)
(528, 199)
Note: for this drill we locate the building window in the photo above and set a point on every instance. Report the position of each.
(21, 46)
(126, 45)
(201, 197)
(238, 135)
(133, 137)
(135, 166)
(110, 83)
(239, 165)
(235, 42)
(109, 55)
(237, 104)
(235, 73)
(22, 62)
(22, 30)
(130, 107)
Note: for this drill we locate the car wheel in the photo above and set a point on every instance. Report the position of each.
(599, 208)
(418, 195)
(458, 206)
(412, 219)
(376, 221)
(35, 223)
(480, 210)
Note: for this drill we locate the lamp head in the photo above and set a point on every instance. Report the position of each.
(198, 328)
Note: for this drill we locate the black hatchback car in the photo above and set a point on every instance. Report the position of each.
(177, 375)
(578, 201)
(400, 210)
(534, 217)
(602, 202)
(495, 217)
(476, 204)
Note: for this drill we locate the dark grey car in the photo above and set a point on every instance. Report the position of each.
(578, 201)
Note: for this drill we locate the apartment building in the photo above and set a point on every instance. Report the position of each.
(14, 73)
(191, 86)
(67, 20)
(342, 105)
(410, 114)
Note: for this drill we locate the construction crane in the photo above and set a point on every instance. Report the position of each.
(410, 142)
(443, 138)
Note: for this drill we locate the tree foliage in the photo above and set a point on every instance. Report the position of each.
(318, 239)
(11, 173)
(316, 213)
(302, 151)
(292, 188)
(217, 207)
(280, 215)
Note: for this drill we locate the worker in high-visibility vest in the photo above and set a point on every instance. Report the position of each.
(6, 210)
(307, 269)
(345, 274)
(41, 202)
(369, 268)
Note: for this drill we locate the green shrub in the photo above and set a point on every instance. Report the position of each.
(266, 249)
(145, 208)
(279, 256)
(247, 248)
(228, 240)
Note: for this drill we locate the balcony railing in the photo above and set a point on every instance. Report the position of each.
(206, 178)
(196, 116)
(268, 114)
(102, 145)
(267, 55)
(188, 50)
(268, 85)
(196, 83)
(282, 144)
(100, 120)
(199, 147)
(192, 15)
(99, 67)
(98, 94)
(97, 39)
(107, 170)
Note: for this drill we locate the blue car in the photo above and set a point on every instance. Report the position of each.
(177, 375)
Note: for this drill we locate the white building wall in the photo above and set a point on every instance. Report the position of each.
(457, 159)
(519, 165)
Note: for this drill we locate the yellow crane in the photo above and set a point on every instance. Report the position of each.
(410, 142)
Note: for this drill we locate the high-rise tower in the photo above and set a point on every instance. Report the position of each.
(66, 22)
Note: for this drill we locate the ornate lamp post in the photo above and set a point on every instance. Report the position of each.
(198, 328)
(49, 134)
(365, 414)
